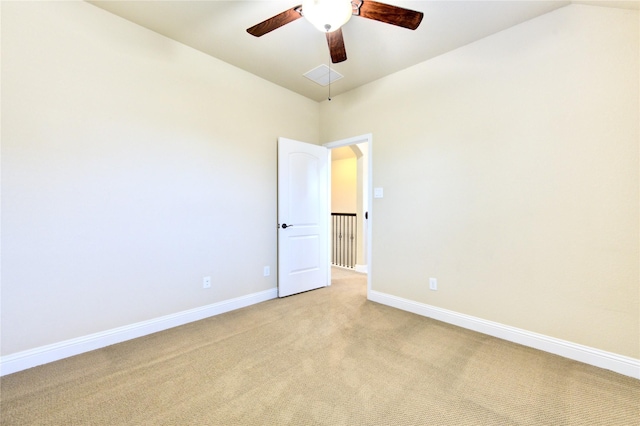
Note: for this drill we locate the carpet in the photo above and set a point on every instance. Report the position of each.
(324, 357)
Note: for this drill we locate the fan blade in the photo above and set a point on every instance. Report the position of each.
(275, 22)
(336, 46)
(389, 14)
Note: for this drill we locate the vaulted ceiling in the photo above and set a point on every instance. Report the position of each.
(374, 49)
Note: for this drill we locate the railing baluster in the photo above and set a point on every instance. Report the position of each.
(344, 232)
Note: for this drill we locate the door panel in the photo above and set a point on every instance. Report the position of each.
(303, 206)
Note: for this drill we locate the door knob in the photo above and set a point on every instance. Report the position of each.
(285, 226)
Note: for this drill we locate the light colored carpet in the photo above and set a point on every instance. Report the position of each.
(326, 357)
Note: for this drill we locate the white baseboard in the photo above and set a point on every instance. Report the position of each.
(596, 357)
(49, 353)
(362, 268)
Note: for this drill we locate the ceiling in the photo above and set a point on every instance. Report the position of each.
(342, 153)
(374, 49)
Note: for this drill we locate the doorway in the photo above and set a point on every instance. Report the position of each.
(361, 148)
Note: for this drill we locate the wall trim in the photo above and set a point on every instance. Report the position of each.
(56, 351)
(588, 355)
(363, 269)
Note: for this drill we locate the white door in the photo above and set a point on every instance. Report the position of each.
(303, 217)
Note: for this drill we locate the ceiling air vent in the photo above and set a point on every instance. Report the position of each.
(323, 75)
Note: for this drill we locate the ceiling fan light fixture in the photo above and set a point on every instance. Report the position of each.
(327, 15)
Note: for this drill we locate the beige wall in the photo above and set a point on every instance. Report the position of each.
(510, 170)
(132, 166)
(344, 185)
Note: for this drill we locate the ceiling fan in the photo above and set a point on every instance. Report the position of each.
(330, 15)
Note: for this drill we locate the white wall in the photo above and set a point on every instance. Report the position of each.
(510, 170)
(132, 166)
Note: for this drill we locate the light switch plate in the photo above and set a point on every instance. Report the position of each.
(378, 192)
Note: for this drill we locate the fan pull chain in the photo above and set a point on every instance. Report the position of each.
(329, 98)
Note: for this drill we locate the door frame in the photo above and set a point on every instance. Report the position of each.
(366, 138)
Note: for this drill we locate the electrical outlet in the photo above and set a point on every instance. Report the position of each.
(433, 284)
(206, 282)
(267, 271)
